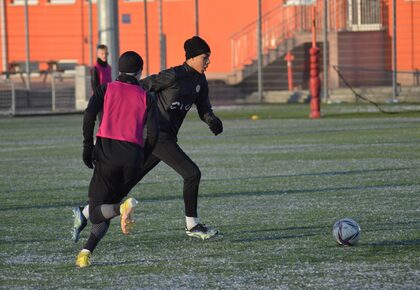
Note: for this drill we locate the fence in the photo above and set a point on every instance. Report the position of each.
(7, 97)
(57, 95)
(359, 42)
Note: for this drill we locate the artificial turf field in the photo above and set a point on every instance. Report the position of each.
(273, 187)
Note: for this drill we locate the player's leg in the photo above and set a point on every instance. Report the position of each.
(175, 157)
(131, 176)
(81, 214)
(103, 184)
(97, 233)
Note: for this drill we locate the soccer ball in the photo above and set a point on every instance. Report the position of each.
(346, 232)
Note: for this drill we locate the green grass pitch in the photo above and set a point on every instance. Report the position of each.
(273, 187)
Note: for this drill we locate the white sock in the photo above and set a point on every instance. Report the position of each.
(85, 212)
(191, 222)
(85, 251)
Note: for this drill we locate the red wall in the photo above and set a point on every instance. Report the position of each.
(61, 31)
(408, 34)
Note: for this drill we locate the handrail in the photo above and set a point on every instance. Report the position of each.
(256, 21)
(282, 23)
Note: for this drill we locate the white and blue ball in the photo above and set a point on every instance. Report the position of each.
(346, 232)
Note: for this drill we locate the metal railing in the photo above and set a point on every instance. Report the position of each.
(7, 97)
(62, 92)
(56, 95)
(283, 22)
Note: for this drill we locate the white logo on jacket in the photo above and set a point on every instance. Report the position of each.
(197, 88)
(179, 106)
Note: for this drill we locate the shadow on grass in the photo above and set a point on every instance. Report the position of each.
(82, 189)
(226, 194)
(273, 234)
(395, 243)
(317, 132)
(25, 242)
(328, 173)
(299, 191)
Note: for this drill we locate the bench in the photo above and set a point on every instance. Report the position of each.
(62, 65)
(19, 67)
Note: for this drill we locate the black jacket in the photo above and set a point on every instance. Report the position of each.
(177, 89)
(115, 152)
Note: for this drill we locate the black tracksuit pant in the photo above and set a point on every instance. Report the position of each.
(170, 153)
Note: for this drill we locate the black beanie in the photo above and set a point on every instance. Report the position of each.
(130, 62)
(195, 46)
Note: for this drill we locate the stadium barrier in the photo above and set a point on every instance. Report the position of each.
(62, 92)
(7, 97)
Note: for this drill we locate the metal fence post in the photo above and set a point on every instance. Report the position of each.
(27, 50)
(13, 107)
(325, 51)
(4, 39)
(196, 18)
(90, 32)
(394, 51)
(162, 37)
(146, 36)
(53, 93)
(260, 53)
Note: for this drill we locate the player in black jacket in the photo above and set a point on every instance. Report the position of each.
(120, 149)
(177, 90)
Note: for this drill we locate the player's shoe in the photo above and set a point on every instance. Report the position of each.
(201, 231)
(83, 259)
(79, 223)
(126, 211)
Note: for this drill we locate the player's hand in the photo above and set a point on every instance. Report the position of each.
(88, 155)
(216, 126)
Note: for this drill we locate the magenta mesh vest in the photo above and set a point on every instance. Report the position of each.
(124, 113)
(104, 73)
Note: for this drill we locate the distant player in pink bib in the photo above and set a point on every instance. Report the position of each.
(101, 71)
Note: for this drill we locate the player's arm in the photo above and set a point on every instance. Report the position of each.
(205, 111)
(159, 82)
(94, 78)
(95, 105)
(152, 125)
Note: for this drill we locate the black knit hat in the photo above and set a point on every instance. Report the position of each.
(130, 62)
(195, 46)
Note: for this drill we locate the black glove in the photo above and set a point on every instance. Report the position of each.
(216, 126)
(88, 155)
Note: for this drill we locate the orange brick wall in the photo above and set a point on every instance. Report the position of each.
(408, 34)
(61, 31)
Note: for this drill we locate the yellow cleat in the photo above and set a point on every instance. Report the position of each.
(83, 259)
(126, 211)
